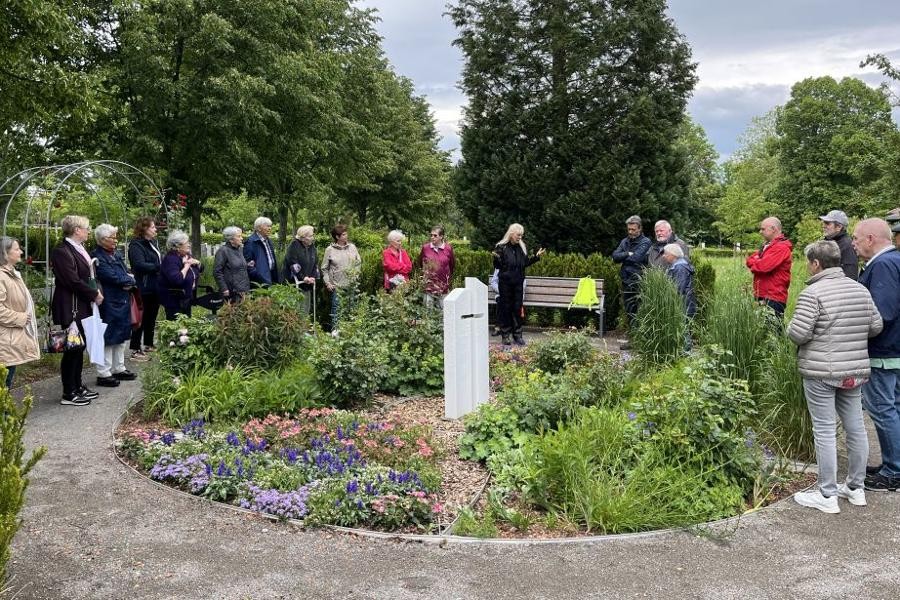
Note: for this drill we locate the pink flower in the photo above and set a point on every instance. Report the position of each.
(437, 508)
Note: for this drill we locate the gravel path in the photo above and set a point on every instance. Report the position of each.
(94, 529)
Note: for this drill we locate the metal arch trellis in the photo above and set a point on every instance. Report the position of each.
(91, 174)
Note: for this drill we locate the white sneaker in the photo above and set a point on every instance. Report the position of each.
(856, 497)
(817, 500)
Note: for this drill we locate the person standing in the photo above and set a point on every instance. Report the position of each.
(395, 261)
(437, 262)
(18, 325)
(771, 267)
(632, 253)
(832, 323)
(178, 276)
(340, 269)
(230, 266)
(511, 259)
(301, 265)
(117, 282)
(71, 302)
(664, 235)
(881, 394)
(834, 228)
(260, 254)
(144, 257)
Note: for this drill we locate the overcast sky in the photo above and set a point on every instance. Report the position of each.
(748, 53)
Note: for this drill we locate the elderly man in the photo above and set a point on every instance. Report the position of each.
(771, 267)
(664, 235)
(260, 254)
(834, 228)
(893, 219)
(881, 275)
(833, 321)
(632, 254)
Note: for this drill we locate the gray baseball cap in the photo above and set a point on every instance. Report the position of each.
(896, 227)
(837, 216)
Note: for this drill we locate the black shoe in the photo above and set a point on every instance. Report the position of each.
(880, 483)
(107, 381)
(495, 332)
(86, 393)
(519, 340)
(505, 339)
(74, 400)
(125, 375)
(870, 470)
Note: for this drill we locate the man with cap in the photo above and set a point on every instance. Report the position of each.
(896, 231)
(834, 228)
(893, 220)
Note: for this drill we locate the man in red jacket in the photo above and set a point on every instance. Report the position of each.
(771, 267)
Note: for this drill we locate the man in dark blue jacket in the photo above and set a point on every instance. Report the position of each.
(632, 253)
(881, 394)
(260, 254)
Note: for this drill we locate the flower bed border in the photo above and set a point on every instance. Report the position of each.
(443, 539)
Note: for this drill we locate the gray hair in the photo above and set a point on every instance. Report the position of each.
(305, 231)
(395, 236)
(663, 222)
(104, 231)
(261, 222)
(5, 246)
(175, 239)
(827, 252)
(72, 222)
(634, 220)
(230, 232)
(673, 249)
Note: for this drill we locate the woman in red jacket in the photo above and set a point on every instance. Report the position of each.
(397, 265)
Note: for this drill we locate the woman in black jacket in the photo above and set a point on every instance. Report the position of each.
(144, 257)
(511, 259)
(301, 264)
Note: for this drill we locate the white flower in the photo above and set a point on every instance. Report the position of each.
(183, 339)
(176, 381)
(171, 344)
(182, 332)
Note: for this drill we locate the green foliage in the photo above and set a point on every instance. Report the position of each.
(662, 323)
(784, 421)
(492, 429)
(570, 162)
(350, 367)
(186, 344)
(469, 524)
(287, 392)
(704, 287)
(558, 350)
(210, 394)
(14, 468)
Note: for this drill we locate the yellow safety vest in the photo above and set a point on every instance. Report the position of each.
(586, 294)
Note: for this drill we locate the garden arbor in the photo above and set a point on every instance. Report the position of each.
(109, 191)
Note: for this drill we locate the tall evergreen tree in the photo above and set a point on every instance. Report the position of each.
(574, 106)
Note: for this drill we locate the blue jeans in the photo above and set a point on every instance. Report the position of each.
(335, 307)
(10, 372)
(881, 396)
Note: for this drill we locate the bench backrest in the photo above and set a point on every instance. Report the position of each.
(553, 292)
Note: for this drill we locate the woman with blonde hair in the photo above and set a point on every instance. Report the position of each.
(511, 259)
(18, 326)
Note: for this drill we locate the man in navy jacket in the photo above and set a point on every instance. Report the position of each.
(632, 254)
(260, 254)
(881, 394)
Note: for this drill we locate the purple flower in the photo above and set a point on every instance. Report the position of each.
(233, 439)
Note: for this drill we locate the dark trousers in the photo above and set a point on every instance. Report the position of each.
(10, 373)
(777, 307)
(509, 308)
(631, 298)
(148, 322)
(70, 367)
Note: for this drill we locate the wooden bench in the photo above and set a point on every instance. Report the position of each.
(556, 292)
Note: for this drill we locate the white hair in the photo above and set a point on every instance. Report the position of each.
(261, 222)
(230, 232)
(395, 236)
(104, 231)
(673, 249)
(305, 231)
(175, 239)
(663, 222)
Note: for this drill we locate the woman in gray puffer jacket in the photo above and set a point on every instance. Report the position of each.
(832, 323)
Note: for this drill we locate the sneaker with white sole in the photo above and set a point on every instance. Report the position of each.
(856, 497)
(816, 500)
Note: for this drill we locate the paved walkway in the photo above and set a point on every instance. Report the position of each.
(93, 529)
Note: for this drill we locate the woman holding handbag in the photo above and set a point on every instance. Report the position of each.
(114, 279)
(18, 326)
(145, 258)
(75, 290)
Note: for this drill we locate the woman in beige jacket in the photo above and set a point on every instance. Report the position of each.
(18, 326)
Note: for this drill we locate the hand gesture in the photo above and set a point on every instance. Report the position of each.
(540, 252)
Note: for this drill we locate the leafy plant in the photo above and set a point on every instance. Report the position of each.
(294, 388)
(349, 367)
(492, 429)
(557, 350)
(186, 344)
(662, 325)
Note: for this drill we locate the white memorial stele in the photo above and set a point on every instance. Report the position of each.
(465, 349)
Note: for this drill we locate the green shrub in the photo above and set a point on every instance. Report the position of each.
(296, 387)
(704, 287)
(662, 324)
(210, 394)
(349, 367)
(187, 344)
(783, 421)
(492, 429)
(557, 350)
(14, 468)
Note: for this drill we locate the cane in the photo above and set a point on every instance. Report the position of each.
(313, 300)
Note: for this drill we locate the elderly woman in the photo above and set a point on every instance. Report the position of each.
(114, 279)
(178, 275)
(437, 262)
(681, 272)
(395, 260)
(75, 290)
(145, 258)
(18, 326)
(230, 266)
(340, 268)
(511, 259)
(260, 254)
(301, 264)
(832, 323)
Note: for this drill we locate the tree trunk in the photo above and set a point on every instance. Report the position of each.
(283, 232)
(195, 228)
